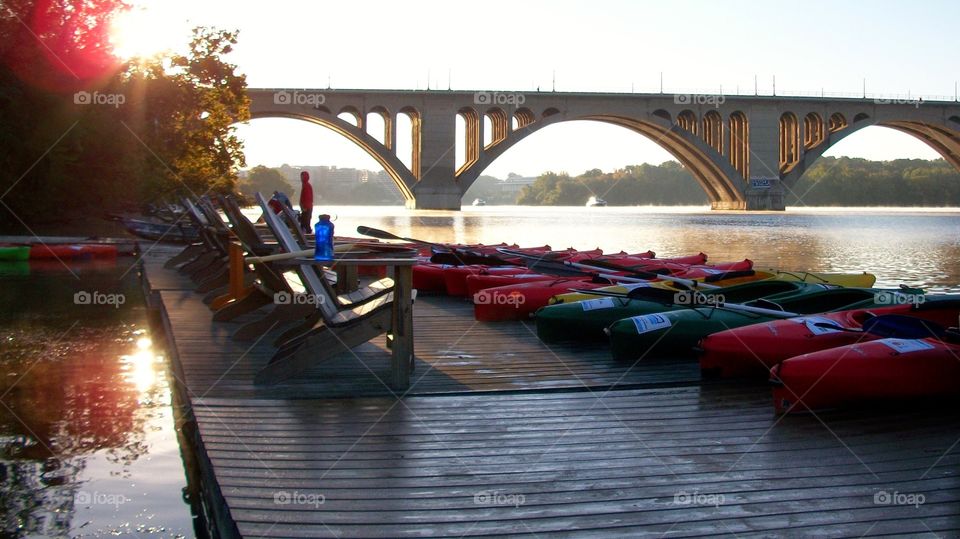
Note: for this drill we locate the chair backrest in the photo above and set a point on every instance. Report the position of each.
(200, 222)
(294, 224)
(326, 298)
(242, 226)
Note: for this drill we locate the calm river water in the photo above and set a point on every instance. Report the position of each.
(88, 445)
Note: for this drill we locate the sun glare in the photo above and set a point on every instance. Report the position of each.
(136, 33)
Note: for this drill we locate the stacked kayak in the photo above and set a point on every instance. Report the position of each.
(586, 320)
(678, 332)
(41, 251)
(854, 280)
(520, 301)
(14, 253)
(753, 350)
(885, 371)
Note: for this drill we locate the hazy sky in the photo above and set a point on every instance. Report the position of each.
(595, 45)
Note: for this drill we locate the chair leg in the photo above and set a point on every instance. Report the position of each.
(280, 315)
(221, 278)
(287, 337)
(200, 262)
(208, 271)
(248, 280)
(184, 256)
(253, 301)
(322, 345)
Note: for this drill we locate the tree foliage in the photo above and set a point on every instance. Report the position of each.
(665, 184)
(82, 133)
(264, 180)
(832, 181)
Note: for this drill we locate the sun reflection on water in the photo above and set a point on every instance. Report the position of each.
(140, 367)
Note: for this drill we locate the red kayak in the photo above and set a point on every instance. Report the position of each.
(455, 278)
(753, 350)
(494, 277)
(880, 370)
(39, 251)
(519, 301)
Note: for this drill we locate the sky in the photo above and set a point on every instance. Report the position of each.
(891, 48)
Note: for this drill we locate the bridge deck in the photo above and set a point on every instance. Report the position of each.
(500, 435)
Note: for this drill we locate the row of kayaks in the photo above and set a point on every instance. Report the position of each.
(823, 339)
(40, 251)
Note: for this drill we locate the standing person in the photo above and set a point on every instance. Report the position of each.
(306, 201)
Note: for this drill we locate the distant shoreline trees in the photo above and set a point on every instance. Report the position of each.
(832, 181)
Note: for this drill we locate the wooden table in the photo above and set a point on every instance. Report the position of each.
(401, 321)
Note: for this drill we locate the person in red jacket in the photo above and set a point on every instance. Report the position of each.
(306, 201)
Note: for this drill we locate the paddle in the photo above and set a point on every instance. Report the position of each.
(384, 235)
(446, 254)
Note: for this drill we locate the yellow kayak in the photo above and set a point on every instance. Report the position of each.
(852, 280)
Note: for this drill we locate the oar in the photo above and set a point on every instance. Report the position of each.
(464, 257)
(384, 235)
(665, 278)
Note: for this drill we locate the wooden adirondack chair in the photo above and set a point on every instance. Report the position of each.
(343, 325)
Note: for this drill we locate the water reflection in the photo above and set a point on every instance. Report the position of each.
(85, 415)
(915, 246)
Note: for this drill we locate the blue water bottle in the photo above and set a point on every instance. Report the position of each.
(324, 239)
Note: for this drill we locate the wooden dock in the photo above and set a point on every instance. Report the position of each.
(500, 435)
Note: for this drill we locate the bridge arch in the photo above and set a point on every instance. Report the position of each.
(837, 122)
(711, 170)
(812, 130)
(387, 121)
(941, 136)
(687, 119)
(399, 173)
(789, 141)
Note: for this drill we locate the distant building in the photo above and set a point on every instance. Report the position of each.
(511, 186)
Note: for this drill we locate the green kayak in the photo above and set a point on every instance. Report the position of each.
(14, 253)
(586, 320)
(676, 333)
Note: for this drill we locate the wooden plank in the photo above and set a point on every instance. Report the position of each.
(596, 448)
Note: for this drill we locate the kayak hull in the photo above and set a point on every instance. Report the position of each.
(14, 253)
(881, 370)
(41, 251)
(679, 331)
(520, 301)
(752, 351)
(587, 320)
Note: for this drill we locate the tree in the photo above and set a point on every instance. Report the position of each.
(264, 180)
(191, 111)
(172, 132)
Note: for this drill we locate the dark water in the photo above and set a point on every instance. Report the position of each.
(87, 439)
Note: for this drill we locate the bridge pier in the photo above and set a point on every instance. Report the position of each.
(428, 198)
